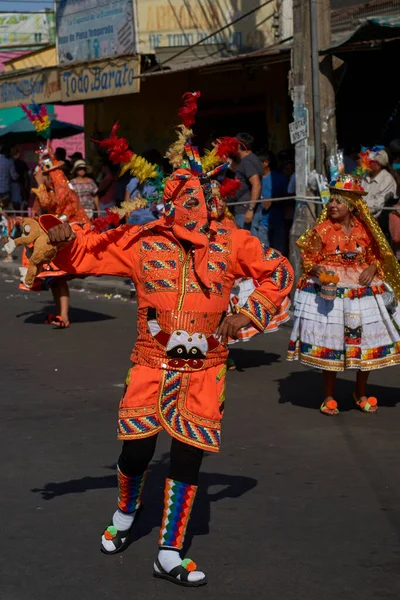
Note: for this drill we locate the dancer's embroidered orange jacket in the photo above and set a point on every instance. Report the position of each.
(178, 378)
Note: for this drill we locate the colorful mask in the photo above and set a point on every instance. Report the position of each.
(185, 203)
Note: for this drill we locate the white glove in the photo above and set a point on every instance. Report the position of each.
(10, 246)
(22, 274)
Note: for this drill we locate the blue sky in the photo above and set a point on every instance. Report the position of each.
(32, 5)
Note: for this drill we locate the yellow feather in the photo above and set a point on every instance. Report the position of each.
(210, 160)
(140, 168)
(176, 151)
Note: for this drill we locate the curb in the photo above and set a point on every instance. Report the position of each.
(115, 286)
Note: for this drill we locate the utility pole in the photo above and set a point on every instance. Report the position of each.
(311, 89)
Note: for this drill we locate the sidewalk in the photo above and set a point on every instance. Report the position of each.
(98, 285)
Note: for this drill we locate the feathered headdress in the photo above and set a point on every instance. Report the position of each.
(39, 117)
(120, 154)
(229, 188)
(176, 152)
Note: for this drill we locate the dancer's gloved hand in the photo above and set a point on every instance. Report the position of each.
(60, 234)
(230, 327)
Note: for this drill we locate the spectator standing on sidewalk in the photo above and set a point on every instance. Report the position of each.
(85, 187)
(7, 175)
(380, 184)
(268, 222)
(20, 188)
(249, 173)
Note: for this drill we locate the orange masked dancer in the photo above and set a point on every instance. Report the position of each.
(183, 266)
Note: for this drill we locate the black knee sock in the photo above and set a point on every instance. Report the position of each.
(136, 455)
(185, 462)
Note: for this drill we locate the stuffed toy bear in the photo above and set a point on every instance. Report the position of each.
(43, 251)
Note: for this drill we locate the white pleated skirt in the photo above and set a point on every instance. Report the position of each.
(353, 331)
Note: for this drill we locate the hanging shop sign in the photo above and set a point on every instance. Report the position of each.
(179, 23)
(26, 29)
(100, 80)
(43, 87)
(94, 29)
(298, 130)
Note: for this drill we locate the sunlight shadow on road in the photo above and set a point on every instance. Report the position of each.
(77, 315)
(231, 486)
(305, 389)
(249, 359)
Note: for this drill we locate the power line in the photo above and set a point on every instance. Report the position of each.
(199, 42)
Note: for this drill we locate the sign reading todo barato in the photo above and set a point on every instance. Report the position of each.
(100, 79)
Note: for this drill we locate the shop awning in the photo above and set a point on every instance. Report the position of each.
(178, 59)
(373, 29)
(23, 131)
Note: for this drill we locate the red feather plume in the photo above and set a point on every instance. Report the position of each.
(103, 223)
(117, 148)
(227, 147)
(229, 187)
(189, 109)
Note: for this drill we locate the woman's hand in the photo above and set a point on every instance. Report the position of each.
(367, 275)
(317, 270)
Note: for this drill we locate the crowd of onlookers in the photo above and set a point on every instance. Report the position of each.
(263, 178)
(262, 175)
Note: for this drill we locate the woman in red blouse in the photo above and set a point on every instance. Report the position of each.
(346, 314)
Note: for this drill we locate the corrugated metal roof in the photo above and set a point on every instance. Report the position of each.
(369, 30)
(186, 61)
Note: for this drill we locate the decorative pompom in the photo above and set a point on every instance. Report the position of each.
(229, 187)
(372, 401)
(189, 109)
(189, 565)
(331, 404)
(103, 223)
(328, 278)
(110, 532)
(227, 147)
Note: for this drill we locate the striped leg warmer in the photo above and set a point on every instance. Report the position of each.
(130, 491)
(178, 502)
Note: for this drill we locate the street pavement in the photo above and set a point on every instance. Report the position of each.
(297, 506)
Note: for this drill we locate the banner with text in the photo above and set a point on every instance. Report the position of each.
(177, 23)
(94, 29)
(42, 87)
(26, 28)
(99, 80)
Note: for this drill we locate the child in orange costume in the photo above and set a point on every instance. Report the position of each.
(54, 196)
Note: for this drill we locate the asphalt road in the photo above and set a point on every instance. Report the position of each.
(297, 506)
